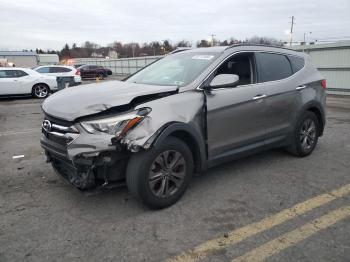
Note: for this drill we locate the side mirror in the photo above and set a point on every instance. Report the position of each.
(224, 80)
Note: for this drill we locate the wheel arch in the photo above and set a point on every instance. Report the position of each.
(316, 108)
(190, 136)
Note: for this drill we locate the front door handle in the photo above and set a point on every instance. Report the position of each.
(301, 87)
(258, 97)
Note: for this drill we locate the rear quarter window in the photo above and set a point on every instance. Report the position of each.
(272, 67)
(297, 63)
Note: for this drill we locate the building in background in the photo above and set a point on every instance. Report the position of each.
(19, 58)
(333, 62)
(48, 59)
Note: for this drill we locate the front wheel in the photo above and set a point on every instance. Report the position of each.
(160, 176)
(305, 135)
(40, 91)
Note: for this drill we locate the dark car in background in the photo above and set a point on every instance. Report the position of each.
(78, 65)
(94, 71)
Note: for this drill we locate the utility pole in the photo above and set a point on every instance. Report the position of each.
(212, 39)
(133, 46)
(305, 36)
(291, 31)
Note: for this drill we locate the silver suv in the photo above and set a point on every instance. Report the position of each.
(186, 112)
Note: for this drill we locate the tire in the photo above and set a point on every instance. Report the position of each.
(146, 179)
(100, 76)
(305, 136)
(40, 91)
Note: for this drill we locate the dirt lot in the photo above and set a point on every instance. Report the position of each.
(42, 218)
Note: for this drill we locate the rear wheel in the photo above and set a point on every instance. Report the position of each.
(100, 76)
(305, 135)
(40, 91)
(160, 176)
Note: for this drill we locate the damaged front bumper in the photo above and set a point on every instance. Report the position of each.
(85, 160)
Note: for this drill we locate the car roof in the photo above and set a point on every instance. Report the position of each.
(53, 66)
(14, 68)
(244, 47)
(267, 48)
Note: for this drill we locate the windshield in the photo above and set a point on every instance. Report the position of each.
(174, 70)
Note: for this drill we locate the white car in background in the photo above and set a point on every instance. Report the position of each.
(25, 81)
(58, 70)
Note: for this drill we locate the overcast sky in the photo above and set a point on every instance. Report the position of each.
(49, 24)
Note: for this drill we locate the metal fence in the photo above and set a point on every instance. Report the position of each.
(333, 62)
(122, 66)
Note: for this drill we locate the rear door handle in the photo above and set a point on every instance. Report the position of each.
(301, 87)
(258, 97)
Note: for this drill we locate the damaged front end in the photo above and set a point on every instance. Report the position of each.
(89, 153)
(91, 147)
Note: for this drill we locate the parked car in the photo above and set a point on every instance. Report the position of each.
(25, 81)
(182, 114)
(93, 71)
(59, 71)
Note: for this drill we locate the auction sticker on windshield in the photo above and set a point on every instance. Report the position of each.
(203, 57)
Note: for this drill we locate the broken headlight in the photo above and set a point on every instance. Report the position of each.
(115, 125)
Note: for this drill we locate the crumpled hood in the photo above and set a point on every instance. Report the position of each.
(74, 102)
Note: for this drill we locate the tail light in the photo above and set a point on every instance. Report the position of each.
(77, 72)
(324, 83)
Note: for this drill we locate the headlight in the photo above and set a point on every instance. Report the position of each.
(116, 125)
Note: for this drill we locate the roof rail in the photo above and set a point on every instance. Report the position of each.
(264, 45)
(179, 49)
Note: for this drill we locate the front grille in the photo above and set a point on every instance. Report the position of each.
(59, 131)
(59, 121)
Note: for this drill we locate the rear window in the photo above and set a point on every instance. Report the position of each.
(297, 63)
(272, 67)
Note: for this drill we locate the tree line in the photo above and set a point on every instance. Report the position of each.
(122, 50)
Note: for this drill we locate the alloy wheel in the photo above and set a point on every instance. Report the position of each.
(40, 91)
(167, 173)
(308, 134)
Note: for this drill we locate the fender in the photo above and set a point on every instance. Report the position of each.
(197, 139)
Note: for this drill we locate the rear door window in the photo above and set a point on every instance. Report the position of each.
(59, 70)
(43, 70)
(272, 67)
